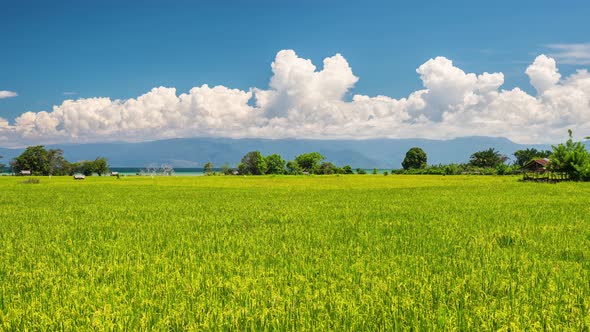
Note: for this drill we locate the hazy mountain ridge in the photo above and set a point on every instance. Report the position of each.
(194, 152)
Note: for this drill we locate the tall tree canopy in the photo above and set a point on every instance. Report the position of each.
(526, 155)
(571, 158)
(415, 158)
(34, 159)
(253, 163)
(275, 164)
(487, 158)
(309, 161)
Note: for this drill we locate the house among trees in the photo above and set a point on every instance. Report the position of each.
(25, 173)
(536, 168)
(537, 165)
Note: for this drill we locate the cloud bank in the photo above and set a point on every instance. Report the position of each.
(303, 101)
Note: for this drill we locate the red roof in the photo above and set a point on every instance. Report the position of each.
(543, 161)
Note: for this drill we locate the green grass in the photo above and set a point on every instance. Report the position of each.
(294, 253)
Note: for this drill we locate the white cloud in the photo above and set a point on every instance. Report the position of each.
(573, 54)
(7, 94)
(543, 73)
(306, 102)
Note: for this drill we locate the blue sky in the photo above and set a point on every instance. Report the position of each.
(52, 51)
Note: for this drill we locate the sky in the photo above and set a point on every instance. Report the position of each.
(97, 71)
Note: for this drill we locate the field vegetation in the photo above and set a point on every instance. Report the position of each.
(340, 253)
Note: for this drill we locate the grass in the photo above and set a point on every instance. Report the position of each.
(297, 253)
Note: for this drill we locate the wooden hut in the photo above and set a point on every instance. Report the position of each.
(536, 169)
(79, 176)
(25, 173)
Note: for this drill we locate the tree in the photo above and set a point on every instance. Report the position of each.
(571, 158)
(293, 168)
(275, 164)
(58, 165)
(415, 158)
(524, 156)
(489, 158)
(309, 161)
(100, 166)
(253, 163)
(34, 159)
(225, 169)
(2, 165)
(327, 168)
(347, 169)
(208, 168)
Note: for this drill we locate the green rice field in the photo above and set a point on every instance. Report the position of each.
(296, 253)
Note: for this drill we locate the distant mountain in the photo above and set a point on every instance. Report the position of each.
(194, 152)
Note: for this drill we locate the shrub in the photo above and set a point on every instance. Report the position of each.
(31, 181)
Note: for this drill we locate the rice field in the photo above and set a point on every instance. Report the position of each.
(295, 253)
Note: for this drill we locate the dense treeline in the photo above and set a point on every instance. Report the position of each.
(41, 161)
(254, 163)
(571, 159)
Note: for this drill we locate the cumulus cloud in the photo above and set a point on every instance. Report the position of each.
(543, 73)
(306, 102)
(7, 94)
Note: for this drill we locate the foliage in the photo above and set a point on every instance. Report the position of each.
(253, 163)
(226, 170)
(208, 168)
(293, 168)
(526, 155)
(415, 158)
(327, 168)
(275, 164)
(309, 161)
(2, 166)
(487, 158)
(34, 159)
(347, 170)
(58, 165)
(570, 158)
(349, 253)
(52, 162)
(457, 169)
(361, 171)
(100, 166)
(31, 181)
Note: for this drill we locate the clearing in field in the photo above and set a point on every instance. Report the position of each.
(320, 253)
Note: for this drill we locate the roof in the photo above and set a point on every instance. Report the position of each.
(25, 172)
(537, 163)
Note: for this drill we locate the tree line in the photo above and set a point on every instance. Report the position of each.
(570, 158)
(41, 161)
(254, 163)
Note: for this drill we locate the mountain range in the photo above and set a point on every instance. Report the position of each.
(194, 152)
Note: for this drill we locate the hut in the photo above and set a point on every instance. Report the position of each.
(536, 169)
(79, 176)
(25, 173)
(114, 173)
